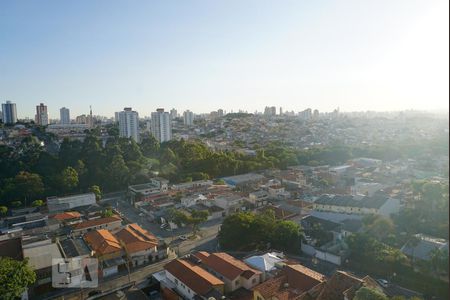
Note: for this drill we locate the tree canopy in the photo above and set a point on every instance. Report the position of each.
(15, 277)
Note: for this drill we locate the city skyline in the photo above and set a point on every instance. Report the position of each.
(205, 56)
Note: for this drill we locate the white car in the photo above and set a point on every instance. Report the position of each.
(164, 225)
(183, 237)
(383, 282)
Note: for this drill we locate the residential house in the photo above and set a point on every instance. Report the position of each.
(230, 202)
(107, 249)
(140, 245)
(40, 255)
(142, 192)
(292, 282)
(109, 223)
(233, 272)
(343, 286)
(422, 247)
(377, 204)
(190, 281)
(192, 185)
(267, 263)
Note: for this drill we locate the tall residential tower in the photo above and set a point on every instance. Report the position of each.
(161, 125)
(64, 115)
(41, 117)
(129, 124)
(9, 113)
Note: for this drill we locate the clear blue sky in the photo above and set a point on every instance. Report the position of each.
(205, 55)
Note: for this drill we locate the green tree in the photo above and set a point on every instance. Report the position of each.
(149, 146)
(3, 210)
(178, 217)
(16, 204)
(69, 179)
(287, 236)
(27, 185)
(96, 190)
(107, 213)
(381, 227)
(37, 203)
(365, 293)
(197, 217)
(15, 277)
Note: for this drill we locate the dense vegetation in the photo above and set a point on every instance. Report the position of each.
(249, 231)
(15, 277)
(29, 172)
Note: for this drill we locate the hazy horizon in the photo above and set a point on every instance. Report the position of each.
(202, 56)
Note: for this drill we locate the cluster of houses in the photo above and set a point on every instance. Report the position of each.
(203, 275)
(76, 227)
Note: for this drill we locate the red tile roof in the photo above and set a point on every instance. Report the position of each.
(194, 277)
(96, 222)
(226, 265)
(291, 283)
(337, 285)
(302, 278)
(102, 242)
(66, 215)
(136, 239)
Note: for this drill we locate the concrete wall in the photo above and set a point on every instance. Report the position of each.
(322, 255)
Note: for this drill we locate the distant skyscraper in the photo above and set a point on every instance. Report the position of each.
(129, 124)
(306, 114)
(220, 112)
(316, 113)
(270, 111)
(90, 118)
(173, 114)
(41, 117)
(116, 116)
(188, 117)
(9, 113)
(64, 114)
(281, 110)
(161, 125)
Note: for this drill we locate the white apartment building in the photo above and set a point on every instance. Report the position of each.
(161, 125)
(188, 117)
(129, 124)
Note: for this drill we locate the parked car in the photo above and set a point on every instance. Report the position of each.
(183, 237)
(163, 225)
(383, 282)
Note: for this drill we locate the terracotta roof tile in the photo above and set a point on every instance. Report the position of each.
(292, 283)
(226, 265)
(337, 285)
(66, 215)
(196, 278)
(102, 241)
(136, 239)
(302, 278)
(96, 222)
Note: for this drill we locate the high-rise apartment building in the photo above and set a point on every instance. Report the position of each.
(173, 113)
(220, 112)
(129, 124)
(41, 117)
(9, 113)
(188, 117)
(161, 125)
(64, 115)
(270, 111)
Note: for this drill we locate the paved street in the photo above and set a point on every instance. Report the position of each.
(133, 215)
